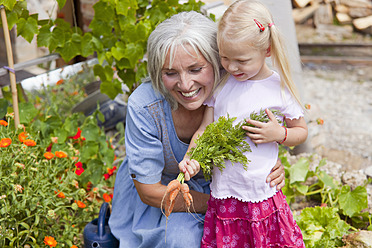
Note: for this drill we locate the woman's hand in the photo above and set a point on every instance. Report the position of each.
(189, 167)
(277, 176)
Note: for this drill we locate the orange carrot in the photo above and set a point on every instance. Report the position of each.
(186, 194)
(173, 189)
(174, 184)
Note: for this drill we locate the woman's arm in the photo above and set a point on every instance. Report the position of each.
(153, 194)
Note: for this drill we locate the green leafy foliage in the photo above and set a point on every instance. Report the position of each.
(118, 36)
(31, 207)
(322, 227)
(342, 209)
(221, 140)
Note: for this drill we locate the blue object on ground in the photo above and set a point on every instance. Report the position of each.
(97, 233)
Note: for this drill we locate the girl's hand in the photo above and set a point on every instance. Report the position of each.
(265, 132)
(277, 176)
(189, 167)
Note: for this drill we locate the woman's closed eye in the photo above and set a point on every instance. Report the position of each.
(196, 70)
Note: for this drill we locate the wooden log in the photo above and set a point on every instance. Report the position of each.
(357, 3)
(363, 23)
(323, 15)
(301, 15)
(341, 8)
(343, 18)
(301, 3)
(359, 12)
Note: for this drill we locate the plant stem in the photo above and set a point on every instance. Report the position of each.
(181, 177)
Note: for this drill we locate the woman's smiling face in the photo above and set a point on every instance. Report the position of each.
(189, 78)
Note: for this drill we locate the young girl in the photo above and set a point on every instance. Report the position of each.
(243, 210)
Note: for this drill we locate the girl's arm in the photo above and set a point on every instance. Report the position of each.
(191, 167)
(294, 134)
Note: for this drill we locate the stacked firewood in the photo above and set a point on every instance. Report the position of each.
(357, 13)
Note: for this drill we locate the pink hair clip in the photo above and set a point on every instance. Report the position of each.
(260, 26)
(270, 25)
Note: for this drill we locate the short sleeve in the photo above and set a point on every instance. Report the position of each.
(144, 149)
(292, 109)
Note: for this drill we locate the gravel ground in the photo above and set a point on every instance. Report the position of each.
(343, 99)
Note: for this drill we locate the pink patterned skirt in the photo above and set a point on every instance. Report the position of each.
(233, 223)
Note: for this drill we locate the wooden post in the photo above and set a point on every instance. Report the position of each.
(9, 53)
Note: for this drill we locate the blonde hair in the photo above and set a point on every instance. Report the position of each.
(184, 29)
(251, 22)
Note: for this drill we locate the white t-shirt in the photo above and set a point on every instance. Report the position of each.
(239, 99)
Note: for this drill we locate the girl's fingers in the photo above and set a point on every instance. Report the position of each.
(270, 115)
(254, 123)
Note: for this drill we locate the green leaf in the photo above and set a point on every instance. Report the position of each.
(9, 4)
(12, 19)
(90, 132)
(122, 7)
(45, 36)
(27, 28)
(327, 180)
(111, 89)
(133, 52)
(3, 107)
(352, 202)
(61, 3)
(70, 50)
(27, 112)
(298, 171)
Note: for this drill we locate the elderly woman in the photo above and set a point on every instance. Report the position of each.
(162, 116)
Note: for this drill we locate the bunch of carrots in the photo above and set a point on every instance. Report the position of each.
(175, 187)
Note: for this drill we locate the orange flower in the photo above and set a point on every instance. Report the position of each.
(80, 204)
(59, 82)
(48, 240)
(3, 123)
(60, 154)
(60, 194)
(106, 197)
(320, 121)
(29, 142)
(48, 155)
(5, 142)
(307, 106)
(22, 137)
(74, 246)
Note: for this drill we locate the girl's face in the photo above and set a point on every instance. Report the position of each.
(189, 79)
(244, 62)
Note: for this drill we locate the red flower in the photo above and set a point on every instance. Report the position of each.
(48, 240)
(22, 136)
(29, 142)
(106, 197)
(3, 123)
(79, 171)
(60, 154)
(79, 168)
(48, 155)
(77, 135)
(5, 142)
(59, 82)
